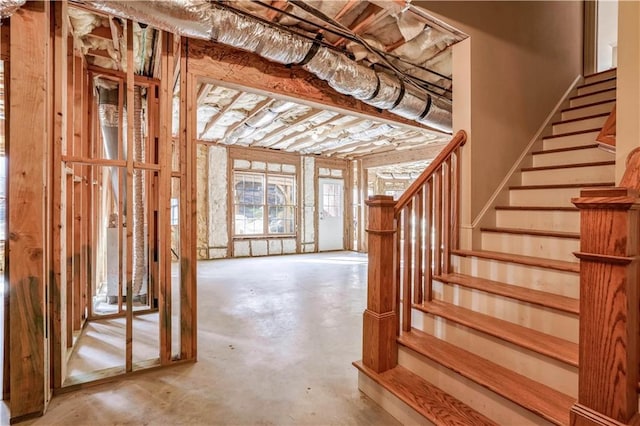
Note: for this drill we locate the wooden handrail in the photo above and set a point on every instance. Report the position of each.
(459, 139)
(410, 242)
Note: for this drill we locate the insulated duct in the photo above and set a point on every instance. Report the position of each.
(139, 270)
(206, 20)
(109, 118)
(8, 7)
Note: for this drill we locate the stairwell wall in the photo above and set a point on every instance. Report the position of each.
(628, 94)
(523, 56)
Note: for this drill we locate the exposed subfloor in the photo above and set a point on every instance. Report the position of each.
(276, 340)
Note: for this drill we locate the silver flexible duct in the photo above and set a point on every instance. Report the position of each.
(202, 19)
(8, 7)
(139, 270)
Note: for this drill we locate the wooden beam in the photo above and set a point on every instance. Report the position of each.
(216, 117)
(116, 33)
(422, 153)
(279, 4)
(62, 131)
(300, 121)
(27, 215)
(188, 210)
(202, 93)
(346, 9)
(371, 16)
(262, 105)
(164, 197)
(324, 132)
(238, 69)
(129, 195)
(284, 128)
(346, 146)
(99, 53)
(6, 355)
(102, 32)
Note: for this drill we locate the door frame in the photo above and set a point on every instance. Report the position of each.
(343, 166)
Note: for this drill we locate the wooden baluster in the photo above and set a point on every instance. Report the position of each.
(455, 213)
(437, 220)
(419, 239)
(446, 228)
(406, 273)
(428, 261)
(397, 262)
(609, 322)
(379, 348)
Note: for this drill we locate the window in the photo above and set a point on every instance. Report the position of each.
(264, 212)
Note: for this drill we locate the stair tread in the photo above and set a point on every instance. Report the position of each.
(525, 231)
(571, 148)
(542, 400)
(577, 132)
(431, 402)
(559, 265)
(572, 120)
(537, 297)
(545, 344)
(539, 208)
(588, 105)
(563, 185)
(569, 166)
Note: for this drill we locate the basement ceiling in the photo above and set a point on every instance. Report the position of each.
(389, 36)
(233, 117)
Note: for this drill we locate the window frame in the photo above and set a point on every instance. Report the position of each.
(265, 205)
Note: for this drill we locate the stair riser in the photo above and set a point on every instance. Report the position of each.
(577, 126)
(562, 221)
(590, 99)
(572, 157)
(559, 197)
(492, 405)
(570, 141)
(588, 110)
(587, 174)
(549, 280)
(389, 402)
(546, 320)
(531, 245)
(540, 368)
(601, 76)
(602, 85)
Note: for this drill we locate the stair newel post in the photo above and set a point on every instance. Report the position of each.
(609, 320)
(379, 349)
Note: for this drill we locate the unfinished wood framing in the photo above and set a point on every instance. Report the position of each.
(247, 71)
(28, 101)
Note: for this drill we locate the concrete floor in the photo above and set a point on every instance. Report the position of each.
(276, 340)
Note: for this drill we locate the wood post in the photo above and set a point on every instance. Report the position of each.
(379, 348)
(609, 323)
(27, 218)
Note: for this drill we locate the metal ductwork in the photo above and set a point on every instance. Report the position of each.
(109, 118)
(8, 7)
(205, 20)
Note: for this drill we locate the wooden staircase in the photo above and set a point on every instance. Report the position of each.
(496, 330)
